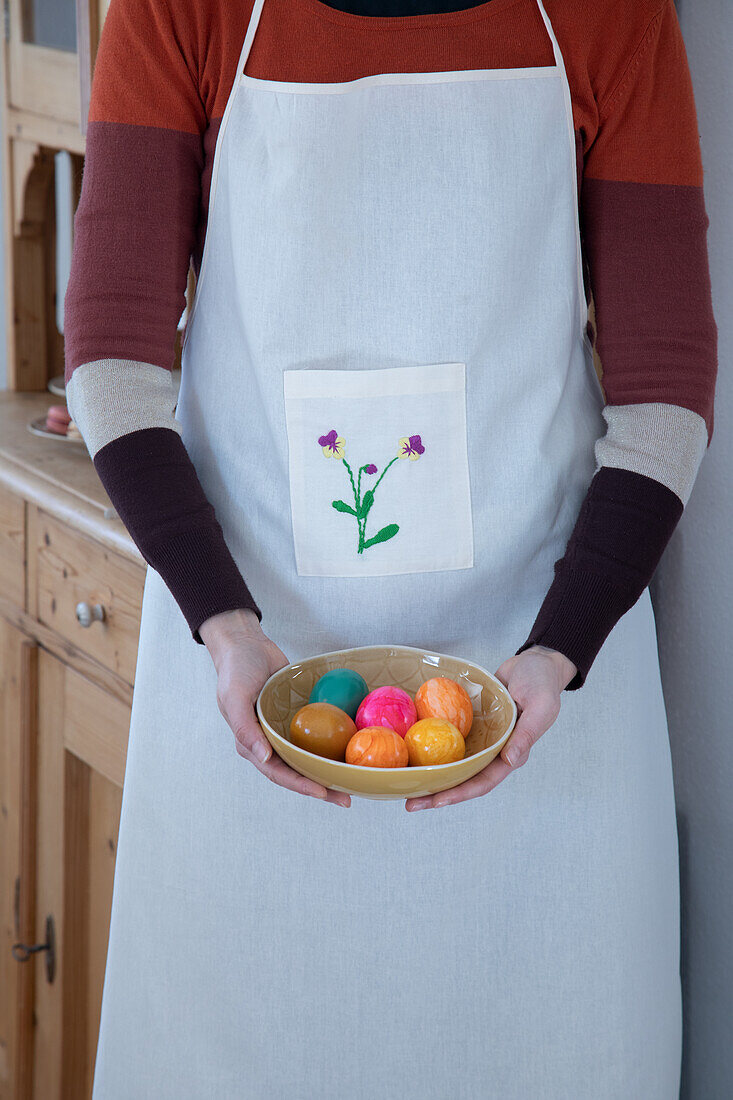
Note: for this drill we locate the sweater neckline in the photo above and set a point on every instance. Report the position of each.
(381, 23)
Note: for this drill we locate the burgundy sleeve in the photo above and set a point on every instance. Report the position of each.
(644, 227)
(135, 230)
(624, 525)
(153, 484)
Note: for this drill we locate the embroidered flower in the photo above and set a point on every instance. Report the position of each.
(332, 444)
(410, 447)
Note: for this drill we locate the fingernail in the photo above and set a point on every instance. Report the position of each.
(511, 756)
(421, 804)
(262, 752)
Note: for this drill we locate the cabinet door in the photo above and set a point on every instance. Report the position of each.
(43, 62)
(52, 46)
(82, 743)
(18, 742)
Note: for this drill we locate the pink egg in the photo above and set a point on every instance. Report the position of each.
(387, 706)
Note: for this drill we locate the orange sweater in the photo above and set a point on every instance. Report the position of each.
(163, 75)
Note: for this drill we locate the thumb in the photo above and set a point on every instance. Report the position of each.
(541, 708)
(505, 670)
(249, 738)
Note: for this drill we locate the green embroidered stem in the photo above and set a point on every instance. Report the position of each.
(361, 520)
(357, 503)
(384, 471)
(364, 543)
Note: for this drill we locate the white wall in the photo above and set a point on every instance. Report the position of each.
(693, 601)
(692, 594)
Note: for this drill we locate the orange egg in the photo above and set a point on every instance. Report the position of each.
(434, 741)
(377, 747)
(445, 698)
(323, 729)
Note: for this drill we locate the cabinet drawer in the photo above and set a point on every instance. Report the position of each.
(12, 548)
(70, 569)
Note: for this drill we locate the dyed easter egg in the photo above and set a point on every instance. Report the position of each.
(442, 697)
(377, 747)
(434, 741)
(323, 729)
(387, 706)
(342, 687)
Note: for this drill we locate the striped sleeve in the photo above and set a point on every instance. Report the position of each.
(135, 230)
(644, 229)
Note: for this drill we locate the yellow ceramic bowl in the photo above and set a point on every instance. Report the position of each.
(494, 711)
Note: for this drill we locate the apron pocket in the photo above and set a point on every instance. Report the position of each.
(378, 470)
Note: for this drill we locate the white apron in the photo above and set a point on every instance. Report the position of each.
(394, 262)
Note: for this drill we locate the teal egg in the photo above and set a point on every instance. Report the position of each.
(341, 687)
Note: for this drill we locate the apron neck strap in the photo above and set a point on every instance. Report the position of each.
(555, 45)
(249, 36)
(259, 4)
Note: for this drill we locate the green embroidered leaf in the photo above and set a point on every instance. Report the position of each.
(387, 532)
(366, 503)
(342, 506)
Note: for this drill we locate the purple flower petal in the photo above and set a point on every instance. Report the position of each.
(328, 440)
(370, 469)
(416, 444)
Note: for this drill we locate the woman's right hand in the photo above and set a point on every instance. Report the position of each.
(244, 658)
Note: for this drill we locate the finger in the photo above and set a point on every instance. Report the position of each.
(339, 798)
(276, 770)
(541, 708)
(249, 738)
(479, 784)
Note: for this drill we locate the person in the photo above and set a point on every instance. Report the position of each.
(470, 235)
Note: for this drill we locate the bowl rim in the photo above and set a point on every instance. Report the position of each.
(428, 768)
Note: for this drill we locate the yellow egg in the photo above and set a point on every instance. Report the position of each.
(434, 741)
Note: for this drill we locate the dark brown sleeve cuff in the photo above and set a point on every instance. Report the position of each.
(623, 527)
(153, 484)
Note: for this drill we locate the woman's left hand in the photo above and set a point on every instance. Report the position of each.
(535, 680)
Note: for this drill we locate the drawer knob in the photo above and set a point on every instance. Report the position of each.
(87, 613)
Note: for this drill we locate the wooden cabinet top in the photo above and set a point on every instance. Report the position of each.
(57, 475)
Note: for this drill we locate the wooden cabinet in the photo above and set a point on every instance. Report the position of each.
(71, 584)
(66, 681)
(47, 59)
